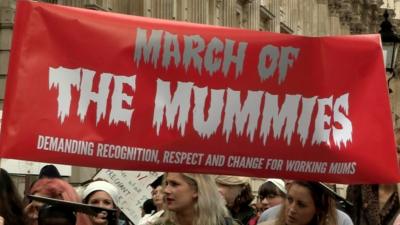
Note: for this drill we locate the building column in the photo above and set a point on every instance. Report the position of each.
(229, 13)
(334, 18)
(163, 9)
(293, 15)
(198, 11)
(253, 9)
(334, 24)
(7, 15)
(275, 9)
(307, 9)
(7, 12)
(322, 23)
(397, 9)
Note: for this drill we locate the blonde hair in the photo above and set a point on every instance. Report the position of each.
(210, 206)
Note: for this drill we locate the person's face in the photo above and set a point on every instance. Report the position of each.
(270, 201)
(300, 206)
(179, 194)
(101, 199)
(158, 197)
(32, 209)
(229, 192)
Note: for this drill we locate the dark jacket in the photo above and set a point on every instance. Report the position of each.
(244, 215)
(365, 209)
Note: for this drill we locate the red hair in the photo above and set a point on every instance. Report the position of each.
(55, 188)
(59, 189)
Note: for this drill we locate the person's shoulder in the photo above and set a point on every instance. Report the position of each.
(343, 218)
(270, 213)
(144, 219)
(231, 221)
(268, 222)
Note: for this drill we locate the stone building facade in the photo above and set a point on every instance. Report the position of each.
(302, 17)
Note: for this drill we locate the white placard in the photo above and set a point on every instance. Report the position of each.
(133, 188)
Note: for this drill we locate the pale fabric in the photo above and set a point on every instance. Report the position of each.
(268, 222)
(102, 186)
(151, 219)
(232, 180)
(144, 219)
(279, 183)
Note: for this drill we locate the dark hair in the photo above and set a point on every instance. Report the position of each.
(52, 214)
(149, 207)
(244, 198)
(49, 171)
(11, 208)
(268, 189)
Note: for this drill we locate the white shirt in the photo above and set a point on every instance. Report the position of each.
(148, 220)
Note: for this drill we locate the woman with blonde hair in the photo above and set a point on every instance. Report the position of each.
(193, 199)
(307, 203)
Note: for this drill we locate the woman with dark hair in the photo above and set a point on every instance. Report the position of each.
(11, 209)
(103, 194)
(238, 196)
(271, 193)
(157, 196)
(307, 203)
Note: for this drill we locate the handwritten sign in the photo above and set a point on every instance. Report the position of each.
(133, 187)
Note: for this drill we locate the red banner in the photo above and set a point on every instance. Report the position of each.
(114, 91)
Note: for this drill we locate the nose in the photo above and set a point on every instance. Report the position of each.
(265, 201)
(167, 189)
(102, 214)
(291, 210)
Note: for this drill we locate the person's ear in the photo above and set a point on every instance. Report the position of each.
(195, 195)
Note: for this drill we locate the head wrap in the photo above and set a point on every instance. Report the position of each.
(157, 182)
(232, 180)
(279, 183)
(102, 186)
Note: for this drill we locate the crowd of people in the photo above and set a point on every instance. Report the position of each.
(199, 199)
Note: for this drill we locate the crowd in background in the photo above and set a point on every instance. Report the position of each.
(200, 199)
